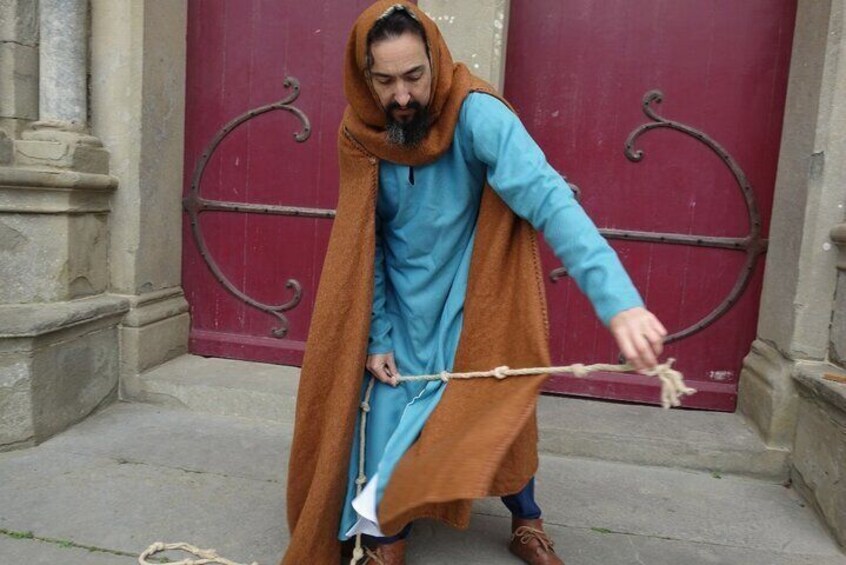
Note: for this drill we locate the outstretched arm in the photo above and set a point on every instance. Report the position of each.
(519, 172)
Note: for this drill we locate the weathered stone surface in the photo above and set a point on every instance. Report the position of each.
(148, 346)
(71, 379)
(712, 441)
(16, 423)
(7, 148)
(18, 81)
(19, 22)
(837, 346)
(477, 34)
(52, 257)
(819, 453)
(58, 363)
(134, 474)
(61, 320)
(63, 62)
(811, 184)
(137, 87)
(67, 154)
(766, 394)
(219, 386)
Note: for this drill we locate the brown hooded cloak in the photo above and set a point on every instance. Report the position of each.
(481, 440)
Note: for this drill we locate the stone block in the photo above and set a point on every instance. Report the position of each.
(6, 147)
(18, 81)
(16, 425)
(766, 394)
(70, 379)
(61, 154)
(52, 257)
(19, 21)
(149, 346)
(58, 363)
(819, 453)
(154, 331)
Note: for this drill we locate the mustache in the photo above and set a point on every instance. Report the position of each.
(412, 105)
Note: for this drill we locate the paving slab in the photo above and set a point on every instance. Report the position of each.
(181, 439)
(675, 504)
(650, 435)
(134, 474)
(613, 431)
(486, 540)
(99, 502)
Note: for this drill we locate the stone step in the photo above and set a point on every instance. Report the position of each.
(718, 442)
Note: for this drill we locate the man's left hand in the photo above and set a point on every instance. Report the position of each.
(640, 336)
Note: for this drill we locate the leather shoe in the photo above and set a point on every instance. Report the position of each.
(531, 544)
(386, 554)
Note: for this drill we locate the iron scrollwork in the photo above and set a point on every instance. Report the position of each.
(195, 204)
(753, 244)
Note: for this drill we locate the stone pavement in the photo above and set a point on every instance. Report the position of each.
(134, 473)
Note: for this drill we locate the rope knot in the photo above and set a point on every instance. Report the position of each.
(579, 370)
(365, 407)
(361, 480)
(500, 372)
(444, 376)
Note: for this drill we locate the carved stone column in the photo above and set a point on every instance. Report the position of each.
(60, 137)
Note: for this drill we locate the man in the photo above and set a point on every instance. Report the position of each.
(433, 266)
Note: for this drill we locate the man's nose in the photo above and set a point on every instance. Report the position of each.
(402, 97)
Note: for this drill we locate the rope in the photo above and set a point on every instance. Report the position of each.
(672, 389)
(207, 556)
(672, 382)
(361, 480)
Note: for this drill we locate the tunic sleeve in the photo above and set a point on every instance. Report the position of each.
(519, 172)
(380, 325)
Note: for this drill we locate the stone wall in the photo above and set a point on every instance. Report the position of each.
(802, 324)
(18, 66)
(89, 235)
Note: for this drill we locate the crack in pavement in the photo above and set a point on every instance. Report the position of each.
(125, 461)
(63, 543)
(632, 534)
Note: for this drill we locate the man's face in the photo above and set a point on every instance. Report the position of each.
(402, 80)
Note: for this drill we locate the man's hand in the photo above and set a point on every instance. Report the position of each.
(383, 367)
(640, 336)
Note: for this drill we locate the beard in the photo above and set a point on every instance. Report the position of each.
(408, 133)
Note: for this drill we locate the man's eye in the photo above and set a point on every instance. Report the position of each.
(414, 78)
(383, 81)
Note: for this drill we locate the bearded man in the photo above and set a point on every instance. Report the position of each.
(433, 266)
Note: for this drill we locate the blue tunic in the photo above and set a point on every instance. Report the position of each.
(426, 223)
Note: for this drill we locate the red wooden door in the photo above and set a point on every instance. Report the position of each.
(689, 219)
(258, 201)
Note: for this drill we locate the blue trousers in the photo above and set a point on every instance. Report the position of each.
(521, 505)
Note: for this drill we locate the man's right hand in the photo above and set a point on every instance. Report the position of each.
(383, 367)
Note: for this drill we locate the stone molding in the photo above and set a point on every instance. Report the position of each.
(34, 191)
(34, 320)
(766, 394)
(152, 307)
(809, 377)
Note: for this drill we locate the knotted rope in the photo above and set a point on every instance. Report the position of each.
(207, 556)
(672, 389)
